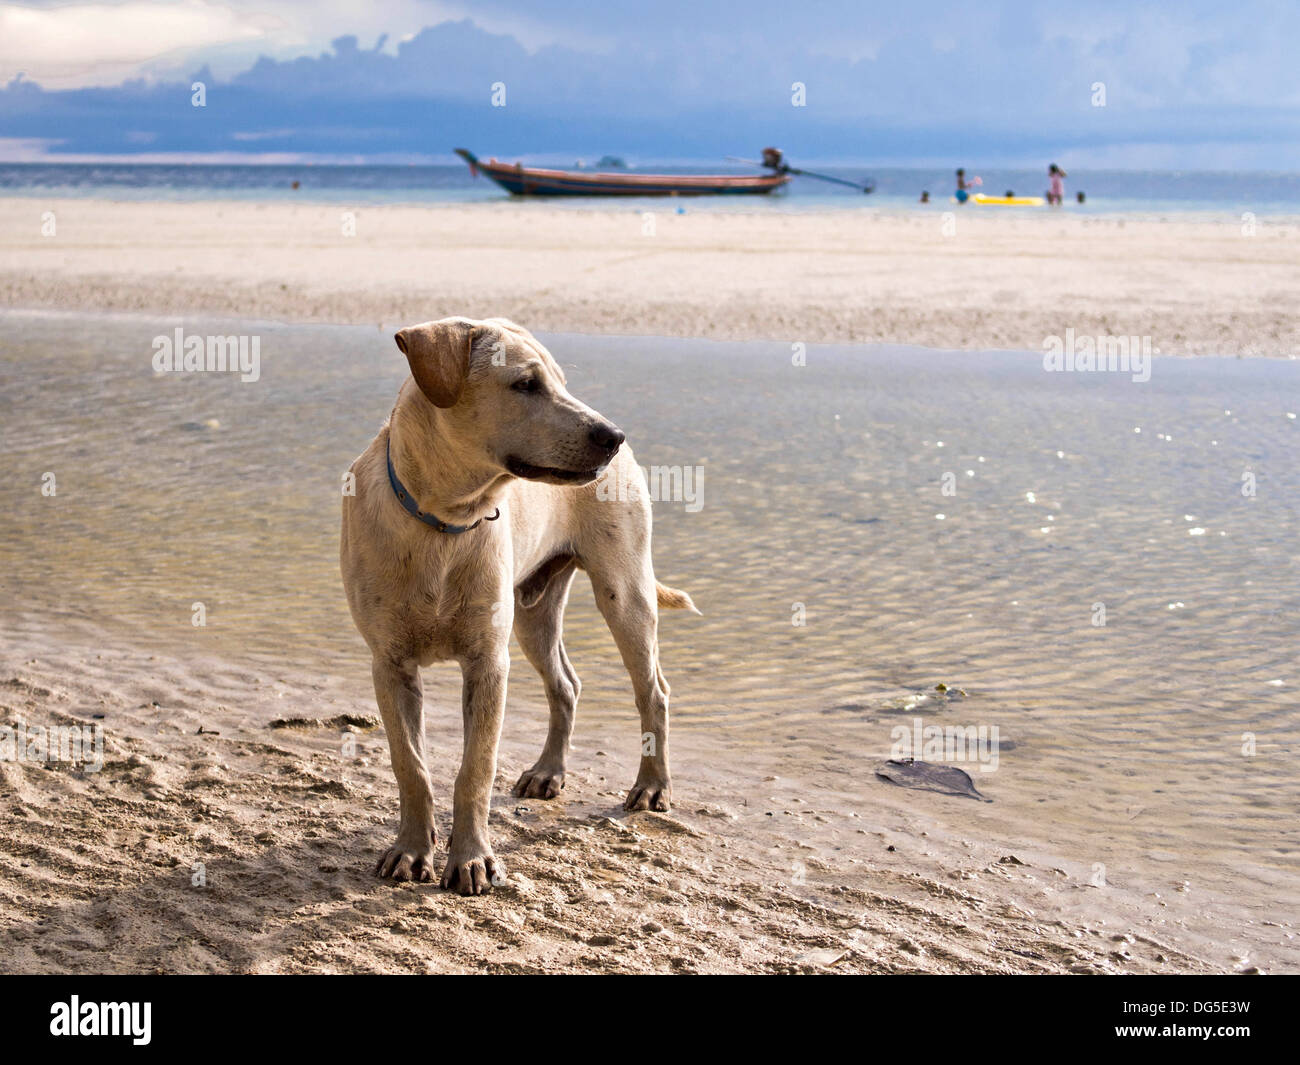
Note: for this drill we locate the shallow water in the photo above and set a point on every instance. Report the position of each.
(823, 485)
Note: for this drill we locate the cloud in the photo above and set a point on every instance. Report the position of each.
(1014, 85)
(99, 44)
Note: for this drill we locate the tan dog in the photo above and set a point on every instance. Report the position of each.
(490, 508)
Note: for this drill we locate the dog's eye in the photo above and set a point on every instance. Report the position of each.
(527, 384)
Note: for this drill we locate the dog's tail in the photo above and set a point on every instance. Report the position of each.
(672, 599)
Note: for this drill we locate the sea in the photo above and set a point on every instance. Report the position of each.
(1210, 194)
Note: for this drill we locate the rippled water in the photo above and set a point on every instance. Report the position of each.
(823, 486)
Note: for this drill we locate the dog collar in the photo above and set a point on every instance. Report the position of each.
(408, 502)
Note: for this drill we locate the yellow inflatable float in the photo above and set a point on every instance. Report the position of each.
(1007, 201)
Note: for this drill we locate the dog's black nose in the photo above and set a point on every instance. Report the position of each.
(606, 436)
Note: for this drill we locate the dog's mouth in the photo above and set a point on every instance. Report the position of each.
(527, 470)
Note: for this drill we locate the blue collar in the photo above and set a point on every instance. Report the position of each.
(409, 505)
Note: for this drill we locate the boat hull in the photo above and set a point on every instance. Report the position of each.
(533, 181)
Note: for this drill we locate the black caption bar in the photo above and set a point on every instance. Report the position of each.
(147, 1014)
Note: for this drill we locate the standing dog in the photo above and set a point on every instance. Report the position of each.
(474, 507)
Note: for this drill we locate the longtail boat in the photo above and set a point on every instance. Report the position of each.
(522, 180)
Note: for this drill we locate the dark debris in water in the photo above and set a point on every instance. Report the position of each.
(926, 776)
(934, 699)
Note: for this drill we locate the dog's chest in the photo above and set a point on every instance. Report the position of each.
(442, 605)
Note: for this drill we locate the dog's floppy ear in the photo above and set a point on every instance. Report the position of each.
(439, 356)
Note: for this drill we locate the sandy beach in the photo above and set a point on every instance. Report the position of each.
(988, 280)
(213, 841)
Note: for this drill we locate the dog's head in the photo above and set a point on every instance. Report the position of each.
(505, 398)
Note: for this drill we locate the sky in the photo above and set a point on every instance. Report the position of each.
(1194, 85)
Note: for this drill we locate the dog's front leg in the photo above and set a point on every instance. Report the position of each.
(472, 868)
(401, 702)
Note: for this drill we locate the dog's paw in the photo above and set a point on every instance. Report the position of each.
(403, 861)
(649, 795)
(474, 872)
(540, 782)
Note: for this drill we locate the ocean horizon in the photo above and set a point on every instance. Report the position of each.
(1108, 191)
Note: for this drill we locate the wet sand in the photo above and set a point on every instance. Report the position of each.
(1129, 830)
(210, 842)
(994, 279)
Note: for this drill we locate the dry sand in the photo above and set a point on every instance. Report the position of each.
(1000, 280)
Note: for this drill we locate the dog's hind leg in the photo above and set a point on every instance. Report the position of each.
(628, 598)
(401, 702)
(539, 626)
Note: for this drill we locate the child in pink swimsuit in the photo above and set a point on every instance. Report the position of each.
(1056, 192)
